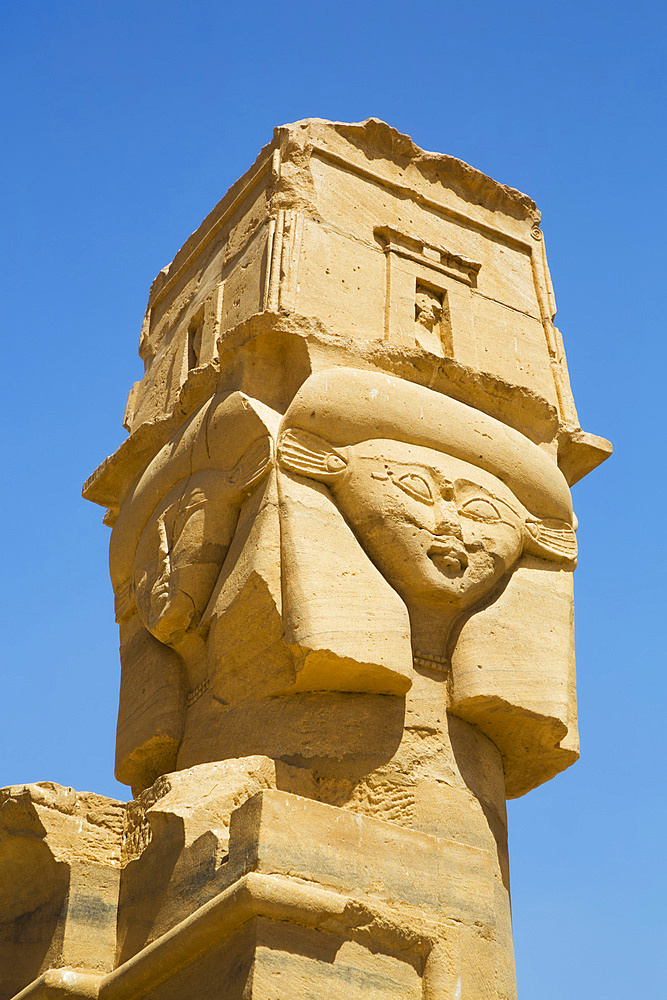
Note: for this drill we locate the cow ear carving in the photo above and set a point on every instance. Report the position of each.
(124, 603)
(551, 539)
(252, 466)
(309, 455)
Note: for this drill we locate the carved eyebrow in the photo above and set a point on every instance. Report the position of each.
(388, 463)
(391, 468)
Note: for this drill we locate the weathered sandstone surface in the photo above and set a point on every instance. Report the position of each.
(342, 547)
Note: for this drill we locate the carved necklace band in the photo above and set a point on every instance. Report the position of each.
(440, 663)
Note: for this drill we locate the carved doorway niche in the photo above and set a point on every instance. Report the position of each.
(427, 292)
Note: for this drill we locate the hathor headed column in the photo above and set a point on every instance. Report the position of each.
(342, 553)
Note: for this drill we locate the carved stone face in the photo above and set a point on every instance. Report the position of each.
(428, 308)
(182, 548)
(441, 530)
(180, 553)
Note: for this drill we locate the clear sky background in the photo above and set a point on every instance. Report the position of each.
(123, 124)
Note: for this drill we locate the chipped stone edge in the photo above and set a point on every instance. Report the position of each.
(58, 984)
(465, 180)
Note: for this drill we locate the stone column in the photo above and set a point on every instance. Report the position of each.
(342, 551)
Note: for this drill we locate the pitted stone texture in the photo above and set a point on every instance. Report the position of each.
(342, 553)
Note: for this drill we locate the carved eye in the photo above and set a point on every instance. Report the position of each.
(480, 510)
(415, 486)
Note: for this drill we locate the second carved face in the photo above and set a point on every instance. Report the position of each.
(180, 553)
(184, 545)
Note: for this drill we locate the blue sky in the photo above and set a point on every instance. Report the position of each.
(124, 123)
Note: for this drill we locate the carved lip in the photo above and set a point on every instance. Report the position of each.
(449, 556)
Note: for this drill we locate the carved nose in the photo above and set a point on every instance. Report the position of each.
(447, 520)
